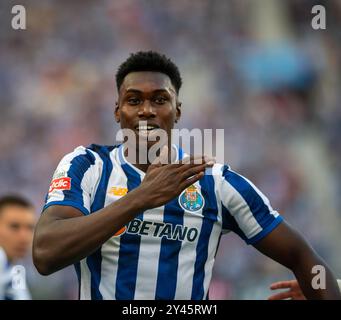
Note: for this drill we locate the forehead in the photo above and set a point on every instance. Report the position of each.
(16, 213)
(146, 81)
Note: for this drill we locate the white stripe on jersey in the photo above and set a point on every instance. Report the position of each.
(187, 258)
(89, 186)
(148, 264)
(216, 232)
(235, 203)
(85, 283)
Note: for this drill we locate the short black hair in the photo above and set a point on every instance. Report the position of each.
(149, 61)
(14, 200)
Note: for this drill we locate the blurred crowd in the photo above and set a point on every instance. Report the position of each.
(257, 69)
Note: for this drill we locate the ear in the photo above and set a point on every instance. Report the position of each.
(117, 112)
(178, 111)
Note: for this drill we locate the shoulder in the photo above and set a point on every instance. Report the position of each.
(3, 259)
(101, 150)
(82, 161)
(233, 178)
(86, 156)
(233, 185)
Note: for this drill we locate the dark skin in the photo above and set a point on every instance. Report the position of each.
(150, 96)
(57, 241)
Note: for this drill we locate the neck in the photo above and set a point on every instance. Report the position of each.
(144, 165)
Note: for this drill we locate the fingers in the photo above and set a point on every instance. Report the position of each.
(188, 166)
(281, 296)
(191, 171)
(191, 180)
(197, 160)
(164, 156)
(282, 284)
(186, 163)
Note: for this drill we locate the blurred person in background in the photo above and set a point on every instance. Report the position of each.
(17, 220)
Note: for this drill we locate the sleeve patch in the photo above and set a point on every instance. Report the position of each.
(60, 184)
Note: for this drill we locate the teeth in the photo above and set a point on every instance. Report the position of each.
(146, 128)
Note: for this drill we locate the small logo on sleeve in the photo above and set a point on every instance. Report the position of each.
(61, 171)
(60, 184)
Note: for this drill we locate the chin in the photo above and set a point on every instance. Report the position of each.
(20, 254)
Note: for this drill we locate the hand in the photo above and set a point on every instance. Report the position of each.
(162, 183)
(294, 292)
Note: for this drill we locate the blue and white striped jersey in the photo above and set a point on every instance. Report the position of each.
(166, 252)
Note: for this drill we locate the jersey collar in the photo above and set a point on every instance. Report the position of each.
(122, 159)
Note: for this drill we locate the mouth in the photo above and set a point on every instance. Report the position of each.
(146, 129)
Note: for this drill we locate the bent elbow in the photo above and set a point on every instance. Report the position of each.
(42, 261)
(41, 265)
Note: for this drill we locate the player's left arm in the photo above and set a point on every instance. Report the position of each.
(287, 246)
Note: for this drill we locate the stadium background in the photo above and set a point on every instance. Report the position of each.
(255, 68)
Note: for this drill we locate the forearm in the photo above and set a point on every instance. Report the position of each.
(316, 284)
(62, 242)
(286, 246)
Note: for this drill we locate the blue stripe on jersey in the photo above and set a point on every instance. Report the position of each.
(67, 203)
(259, 209)
(94, 261)
(129, 247)
(210, 212)
(265, 231)
(169, 254)
(76, 172)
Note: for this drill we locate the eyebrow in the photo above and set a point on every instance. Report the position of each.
(131, 90)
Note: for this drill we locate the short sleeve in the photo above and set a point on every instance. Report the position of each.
(74, 181)
(245, 209)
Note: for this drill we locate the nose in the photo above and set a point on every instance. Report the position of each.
(25, 235)
(146, 110)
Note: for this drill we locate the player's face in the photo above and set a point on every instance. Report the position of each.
(150, 97)
(16, 230)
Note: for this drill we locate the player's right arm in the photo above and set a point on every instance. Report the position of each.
(64, 235)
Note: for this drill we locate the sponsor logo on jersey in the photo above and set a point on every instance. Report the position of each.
(60, 184)
(118, 191)
(191, 200)
(159, 230)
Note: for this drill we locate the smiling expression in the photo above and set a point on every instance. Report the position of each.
(149, 97)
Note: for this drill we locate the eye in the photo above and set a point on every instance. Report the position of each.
(14, 226)
(160, 100)
(30, 227)
(134, 101)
